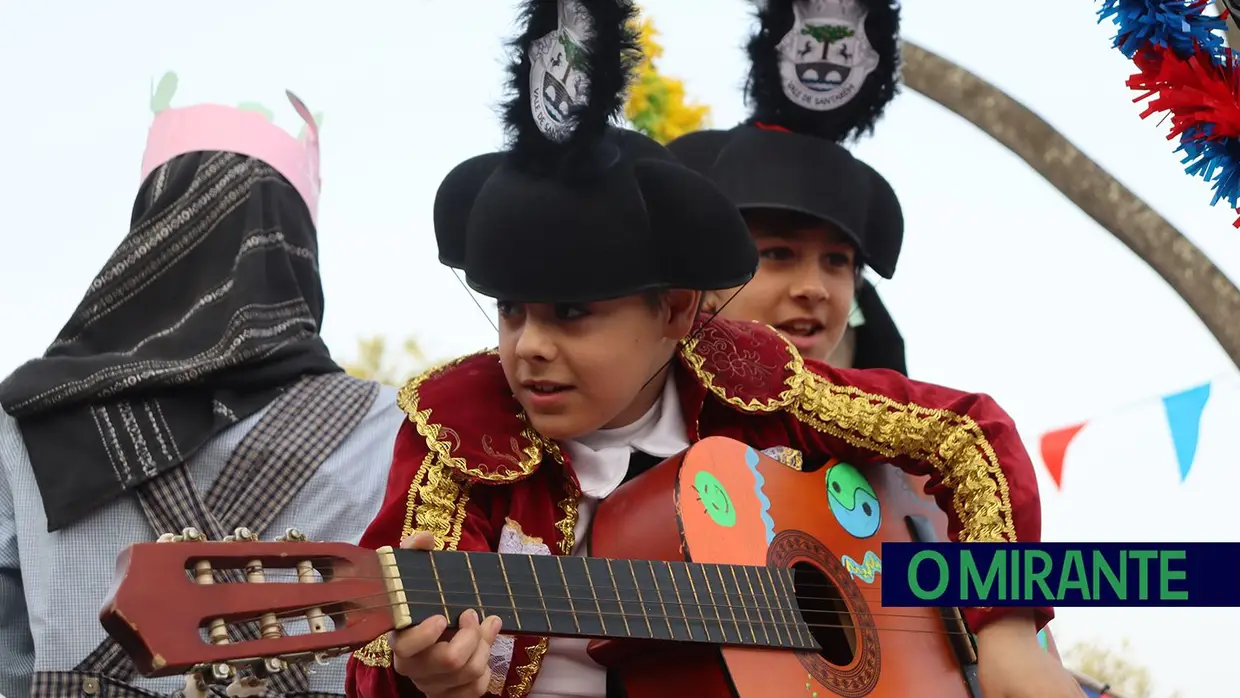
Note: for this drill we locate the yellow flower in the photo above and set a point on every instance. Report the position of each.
(657, 104)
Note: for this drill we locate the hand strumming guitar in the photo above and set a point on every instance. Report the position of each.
(441, 665)
(1011, 663)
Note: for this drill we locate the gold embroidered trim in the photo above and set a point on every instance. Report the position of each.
(411, 502)
(436, 503)
(407, 399)
(566, 526)
(458, 520)
(954, 444)
(697, 362)
(438, 497)
(572, 494)
(790, 457)
(496, 687)
(526, 673)
(525, 538)
(377, 654)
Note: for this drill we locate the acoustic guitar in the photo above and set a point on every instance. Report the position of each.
(720, 572)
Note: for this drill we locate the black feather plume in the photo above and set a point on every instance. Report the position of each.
(848, 122)
(608, 57)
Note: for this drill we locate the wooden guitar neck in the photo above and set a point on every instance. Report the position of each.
(170, 614)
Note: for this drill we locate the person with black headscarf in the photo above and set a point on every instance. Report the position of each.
(871, 339)
(190, 389)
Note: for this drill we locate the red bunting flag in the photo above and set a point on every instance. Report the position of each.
(1054, 447)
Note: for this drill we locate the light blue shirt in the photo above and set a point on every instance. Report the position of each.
(53, 584)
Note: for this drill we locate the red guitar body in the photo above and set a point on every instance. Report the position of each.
(722, 502)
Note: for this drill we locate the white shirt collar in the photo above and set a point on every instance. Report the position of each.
(601, 459)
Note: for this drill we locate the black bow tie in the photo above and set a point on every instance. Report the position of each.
(639, 463)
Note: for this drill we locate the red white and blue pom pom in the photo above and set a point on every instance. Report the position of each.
(1189, 75)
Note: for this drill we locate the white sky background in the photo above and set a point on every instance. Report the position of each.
(1004, 287)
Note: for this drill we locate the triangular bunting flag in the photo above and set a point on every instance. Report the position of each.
(1184, 412)
(1054, 447)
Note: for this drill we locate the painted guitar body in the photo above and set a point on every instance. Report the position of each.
(723, 502)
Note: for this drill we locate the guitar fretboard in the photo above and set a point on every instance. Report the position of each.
(601, 598)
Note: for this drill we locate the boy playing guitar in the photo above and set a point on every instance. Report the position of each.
(597, 245)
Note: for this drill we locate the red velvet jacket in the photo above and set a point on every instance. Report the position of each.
(469, 468)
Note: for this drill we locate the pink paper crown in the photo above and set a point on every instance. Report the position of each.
(217, 127)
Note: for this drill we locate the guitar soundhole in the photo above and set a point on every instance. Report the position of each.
(850, 662)
(823, 608)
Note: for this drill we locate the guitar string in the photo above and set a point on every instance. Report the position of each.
(660, 620)
(661, 602)
(741, 597)
(864, 588)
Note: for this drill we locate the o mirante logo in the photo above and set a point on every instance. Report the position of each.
(1061, 574)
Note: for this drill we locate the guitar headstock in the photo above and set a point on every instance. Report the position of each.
(188, 605)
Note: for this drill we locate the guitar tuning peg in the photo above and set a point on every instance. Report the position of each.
(192, 534)
(203, 676)
(246, 687)
(170, 538)
(241, 534)
(291, 535)
(223, 672)
(269, 666)
(195, 687)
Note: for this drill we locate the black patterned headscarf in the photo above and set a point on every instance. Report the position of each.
(206, 311)
(879, 343)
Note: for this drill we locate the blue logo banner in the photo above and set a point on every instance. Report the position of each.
(1061, 574)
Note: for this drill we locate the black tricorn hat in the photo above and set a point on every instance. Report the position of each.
(822, 73)
(574, 209)
(879, 343)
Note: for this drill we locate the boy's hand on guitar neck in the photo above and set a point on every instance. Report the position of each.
(442, 664)
(1012, 664)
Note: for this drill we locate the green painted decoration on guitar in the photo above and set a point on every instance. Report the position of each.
(853, 500)
(715, 499)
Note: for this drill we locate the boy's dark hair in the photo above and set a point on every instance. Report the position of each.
(654, 298)
(784, 219)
